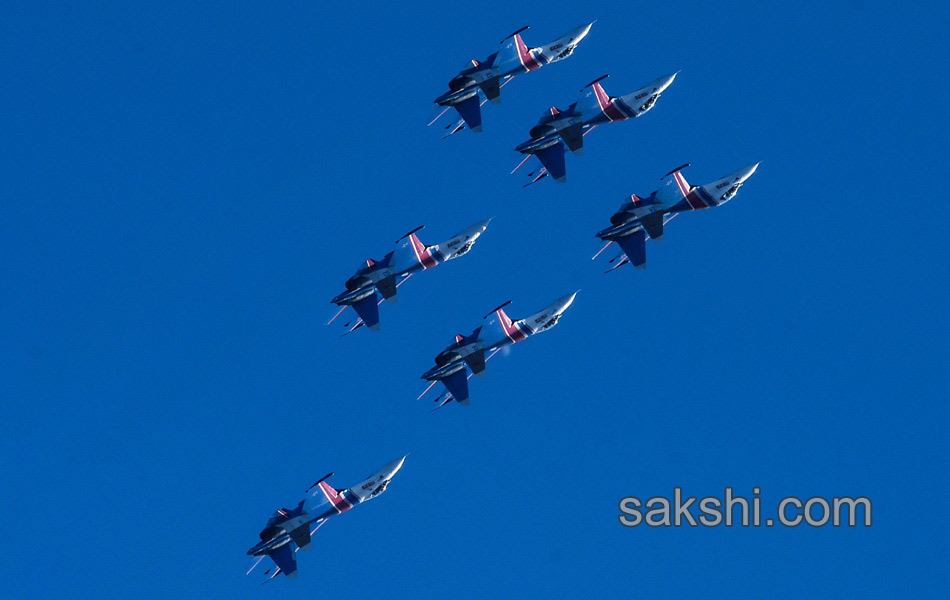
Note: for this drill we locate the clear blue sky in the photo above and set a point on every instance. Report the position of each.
(184, 189)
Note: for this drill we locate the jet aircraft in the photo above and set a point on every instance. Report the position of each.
(289, 529)
(487, 77)
(381, 277)
(474, 350)
(639, 218)
(559, 129)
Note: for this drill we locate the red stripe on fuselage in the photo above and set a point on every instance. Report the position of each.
(607, 105)
(512, 331)
(613, 113)
(336, 498)
(602, 99)
(695, 201)
(681, 183)
(524, 55)
(422, 253)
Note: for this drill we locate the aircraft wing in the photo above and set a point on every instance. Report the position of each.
(635, 247)
(476, 362)
(368, 310)
(553, 160)
(573, 137)
(283, 557)
(387, 287)
(457, 384)
(471, 112)
(653, 224)
(301, 536)
(491, 89)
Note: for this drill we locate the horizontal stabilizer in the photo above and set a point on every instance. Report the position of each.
(457, 384)
(471, 112)
(598, 80)
(511, 35)
(317, 482)
(679, 168)
(368, 310)
(635, 247)
(283, 557)
(553, 160)
(496, 309)
(591, 96)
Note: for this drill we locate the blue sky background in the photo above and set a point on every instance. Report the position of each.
(185, 188)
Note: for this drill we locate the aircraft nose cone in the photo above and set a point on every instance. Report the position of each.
(664, 82)
(481, 226)
(582, 31)
(747, 171)
(394, 466)
(565, 301)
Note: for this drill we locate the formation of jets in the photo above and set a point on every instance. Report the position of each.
(558, 131)
(481, 81)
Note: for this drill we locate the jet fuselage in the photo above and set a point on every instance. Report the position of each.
(627, 219)
(410, 258)
(501, 332)
(465, 85)
(323, 504)
(595, 109)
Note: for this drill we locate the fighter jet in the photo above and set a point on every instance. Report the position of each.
(487, 77)
(639, 218)
(289, 529)
(381, 277)
(474, 350)
(559, 128)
